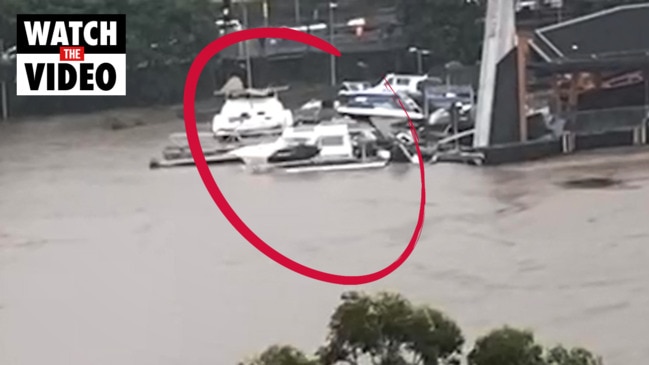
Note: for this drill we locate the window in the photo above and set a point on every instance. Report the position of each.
(332, 141)
(403, 82)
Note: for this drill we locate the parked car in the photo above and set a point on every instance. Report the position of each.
(528, 5)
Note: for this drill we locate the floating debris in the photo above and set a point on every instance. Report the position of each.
(591, 183)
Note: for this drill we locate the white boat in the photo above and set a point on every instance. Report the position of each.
(401, 83)
(248, 116)
(353, 86)
(329, 146)
(440, 98)
(381, 107)
(378, 103)
(251, 112)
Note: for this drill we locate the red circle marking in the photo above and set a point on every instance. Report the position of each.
(206, 175)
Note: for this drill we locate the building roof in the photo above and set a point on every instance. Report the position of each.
(637, 61)
(615, 33)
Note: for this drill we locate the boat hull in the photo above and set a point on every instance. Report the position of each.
(216, 152)
(224, 134)
(316, 165)
(222, 159)
(352, 165)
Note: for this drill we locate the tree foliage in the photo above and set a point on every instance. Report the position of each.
(281, 355)
(451, 29)
(387, 329)
(559, 355)
(159, 32)
(506, 346)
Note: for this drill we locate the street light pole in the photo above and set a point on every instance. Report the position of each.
(264, 9)
(5, 106)
(246, 48)
(3, 87)
(297, 13)
(419, 53)
(226, 18)
(332, 6)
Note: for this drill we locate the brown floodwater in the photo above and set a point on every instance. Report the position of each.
(104, 262)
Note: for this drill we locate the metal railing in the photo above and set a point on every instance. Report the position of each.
(594, 121)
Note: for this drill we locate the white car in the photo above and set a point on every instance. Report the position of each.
(529, 5)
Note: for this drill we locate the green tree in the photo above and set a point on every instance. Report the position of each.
(506, 346)
(159, 32)
(388, 330)
(451, 29)
(281, 355)
(559, 355)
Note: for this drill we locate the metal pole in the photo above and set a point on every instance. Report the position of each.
(3, 87)
(419, 65)
(5, 111)
(456, 116)
(246, 46)
(426, 106)
(265, 11)
(331, 40)
(645, 75)
(297, 12)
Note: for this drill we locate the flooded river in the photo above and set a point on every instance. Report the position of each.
(105, 262)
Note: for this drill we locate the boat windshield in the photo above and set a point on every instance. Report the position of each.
(383, 101)
(249, 96)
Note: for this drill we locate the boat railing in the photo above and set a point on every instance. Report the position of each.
(265, 92)
(180, 139)
(602, 120)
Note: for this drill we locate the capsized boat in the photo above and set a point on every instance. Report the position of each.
(328, 146)
(215, 151)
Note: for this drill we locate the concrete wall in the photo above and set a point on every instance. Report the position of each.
(567, 144)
